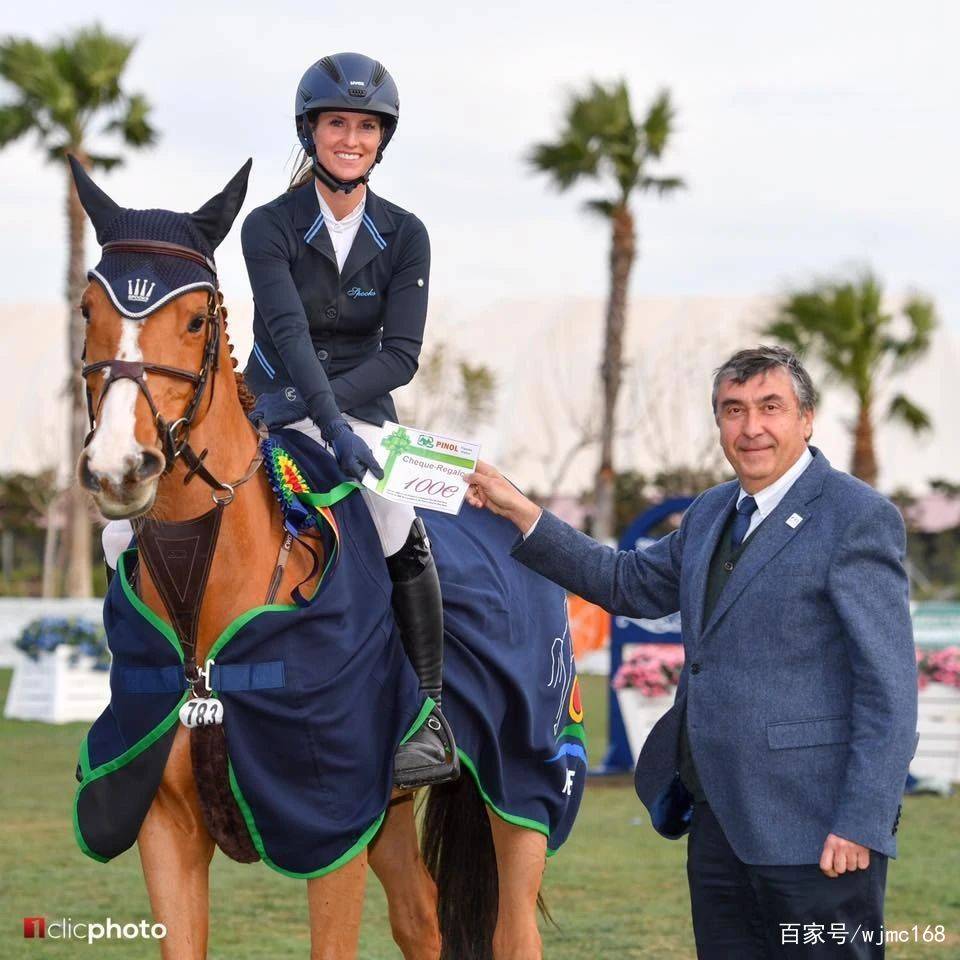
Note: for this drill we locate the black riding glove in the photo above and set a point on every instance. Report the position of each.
(278, 409)
(353, 455)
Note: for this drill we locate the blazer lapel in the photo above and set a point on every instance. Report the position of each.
(772, 535)
(373, 237)
(698, 585)
(309, 222)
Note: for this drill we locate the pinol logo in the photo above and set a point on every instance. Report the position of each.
(357, 292)
(423, 441)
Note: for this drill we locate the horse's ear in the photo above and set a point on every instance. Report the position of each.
(215, 218)
(100, 208)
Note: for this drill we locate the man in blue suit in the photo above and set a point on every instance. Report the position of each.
(786, 750)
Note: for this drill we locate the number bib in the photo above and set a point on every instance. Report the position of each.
(201, 712)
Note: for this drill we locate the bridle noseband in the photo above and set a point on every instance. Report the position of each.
(173, 436)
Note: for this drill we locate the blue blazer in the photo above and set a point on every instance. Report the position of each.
(800, 690)
(342, 341)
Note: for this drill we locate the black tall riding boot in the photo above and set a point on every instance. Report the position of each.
(430, 755)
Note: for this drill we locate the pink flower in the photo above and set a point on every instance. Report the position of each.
(652, 669)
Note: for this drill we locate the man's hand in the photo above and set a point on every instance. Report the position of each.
(487, 488)
(843, 856)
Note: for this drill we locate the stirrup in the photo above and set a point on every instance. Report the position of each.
(434, 773)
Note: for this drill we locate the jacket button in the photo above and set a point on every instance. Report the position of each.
(728, 565)
(694, 667)
(322, 355)
(331, 313)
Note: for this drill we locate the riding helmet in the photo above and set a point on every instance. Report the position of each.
(349, 82)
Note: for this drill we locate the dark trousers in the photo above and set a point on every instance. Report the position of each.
(745, 912)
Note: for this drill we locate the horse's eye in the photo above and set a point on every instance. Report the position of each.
(196, 324)
(85, 312)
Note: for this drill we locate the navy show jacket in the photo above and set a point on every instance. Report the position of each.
(343, 341)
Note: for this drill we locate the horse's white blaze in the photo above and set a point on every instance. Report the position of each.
(114, 447)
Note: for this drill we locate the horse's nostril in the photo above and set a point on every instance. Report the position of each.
(87, 478)
(151, 465)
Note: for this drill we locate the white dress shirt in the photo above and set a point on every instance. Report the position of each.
(769, 497)
(342, 232)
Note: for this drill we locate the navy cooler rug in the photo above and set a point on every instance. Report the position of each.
(316, 700)
(510, 691)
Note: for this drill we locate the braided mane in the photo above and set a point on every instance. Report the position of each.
(247, 399)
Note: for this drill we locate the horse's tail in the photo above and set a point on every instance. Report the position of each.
(458, 851)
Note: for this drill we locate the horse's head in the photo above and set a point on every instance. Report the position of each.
(154, 327)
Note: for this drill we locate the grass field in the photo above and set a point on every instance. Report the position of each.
(616, 889)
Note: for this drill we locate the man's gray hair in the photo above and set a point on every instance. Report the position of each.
(748, 363)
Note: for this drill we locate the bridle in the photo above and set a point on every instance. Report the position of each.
(173, 436)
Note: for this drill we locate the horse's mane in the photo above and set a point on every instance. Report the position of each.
(247, 399)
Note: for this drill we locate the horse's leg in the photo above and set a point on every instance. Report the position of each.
(336, 903)
(411, 893)
(521, 855)
(175, 852)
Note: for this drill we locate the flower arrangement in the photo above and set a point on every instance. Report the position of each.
(86, 638)
(653, 669)
(939, 666)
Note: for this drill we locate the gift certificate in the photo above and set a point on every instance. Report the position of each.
(421, 468)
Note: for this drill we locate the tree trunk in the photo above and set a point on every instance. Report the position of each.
(622, 253)
(864, 463)
(78, 579)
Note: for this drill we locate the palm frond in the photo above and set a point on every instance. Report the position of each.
(908, 413)
(662, 186)
(134, 125)
(92, 62)
(565, 161)
(15, 120)
(32, 71)
(601, 207)
(100, 161)
(658, 124)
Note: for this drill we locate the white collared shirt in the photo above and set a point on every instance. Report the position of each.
(769, 497)
(342, 232)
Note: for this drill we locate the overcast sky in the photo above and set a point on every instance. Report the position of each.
(812, 136)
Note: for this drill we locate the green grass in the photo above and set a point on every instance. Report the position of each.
(616, 889)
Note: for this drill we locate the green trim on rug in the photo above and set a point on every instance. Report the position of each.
(90, 775)
(358, 847)
(508, 817)
(141, 608)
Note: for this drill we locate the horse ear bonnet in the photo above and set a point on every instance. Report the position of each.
(138, 284)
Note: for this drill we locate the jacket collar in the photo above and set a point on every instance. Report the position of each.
(769, 539)
(372, 238)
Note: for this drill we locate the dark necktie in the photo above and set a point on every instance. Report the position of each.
(741, 522)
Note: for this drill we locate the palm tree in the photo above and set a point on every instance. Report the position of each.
(843, 324)
(60, 92)
(602, 140)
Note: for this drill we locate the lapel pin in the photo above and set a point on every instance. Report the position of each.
(794, 521)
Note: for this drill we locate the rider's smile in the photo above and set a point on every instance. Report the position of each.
(347, 143)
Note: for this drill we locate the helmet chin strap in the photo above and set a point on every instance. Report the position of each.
(347, 186)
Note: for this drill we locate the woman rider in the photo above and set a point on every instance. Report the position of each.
(340, 279)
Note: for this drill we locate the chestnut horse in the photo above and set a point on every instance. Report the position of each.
(128, 470)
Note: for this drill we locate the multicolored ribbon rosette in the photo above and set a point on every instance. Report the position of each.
(287, 483)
